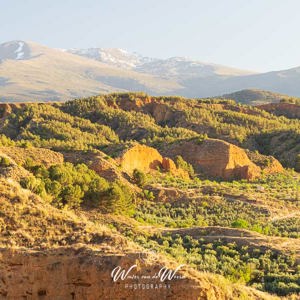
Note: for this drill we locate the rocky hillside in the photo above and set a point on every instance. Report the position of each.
(289, 110)
(112, 121)
(130, 179)
(68, 256)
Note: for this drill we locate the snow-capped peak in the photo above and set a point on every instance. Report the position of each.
(16, 50)
(173, 67)
(114, 56)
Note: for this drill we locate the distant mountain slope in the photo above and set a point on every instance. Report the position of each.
(174, 67)
(255, 96)
(17, 50)
(284, 82)
(31, 72)
(200, 79)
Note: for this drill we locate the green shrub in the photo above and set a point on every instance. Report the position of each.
(71, 196)
(181, 163)
(74, 185)
(240, 223)
(139, 177)
(118, 199)
(148, 195)
(4, 161)
(263, 269)
(33, 184)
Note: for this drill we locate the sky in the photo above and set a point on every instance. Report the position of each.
(257, 35)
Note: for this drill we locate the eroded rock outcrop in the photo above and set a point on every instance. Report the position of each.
(216, 158)
(140, 157)
(147, 159)
(79, 274)
(96, 160)
(168, 165)
(68, 273)
(267, 163)
(161, 111)
(273, 166)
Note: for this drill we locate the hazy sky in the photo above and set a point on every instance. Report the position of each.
(257, 35)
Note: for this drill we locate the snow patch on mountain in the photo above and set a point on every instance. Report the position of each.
(113, 56)
(15, 50)
(174, 67)
(19, 51)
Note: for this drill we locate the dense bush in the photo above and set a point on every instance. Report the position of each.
(240, 223)
(4, 161)
(119, 199)
(72, 185)
(139, 177)
(44, 125)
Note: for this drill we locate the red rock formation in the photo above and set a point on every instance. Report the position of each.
(267, 163)
(168, 165)
(273, 166)
(216, 158)
(140, 157)
(147, 159)
(125, 103)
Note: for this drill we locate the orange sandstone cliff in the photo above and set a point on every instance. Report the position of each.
(216, 158)
(147, 159)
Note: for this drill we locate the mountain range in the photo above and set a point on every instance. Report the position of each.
(32, 72)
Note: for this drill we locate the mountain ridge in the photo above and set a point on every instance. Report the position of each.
(144, 64)
(32, 72)
(48, 74)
